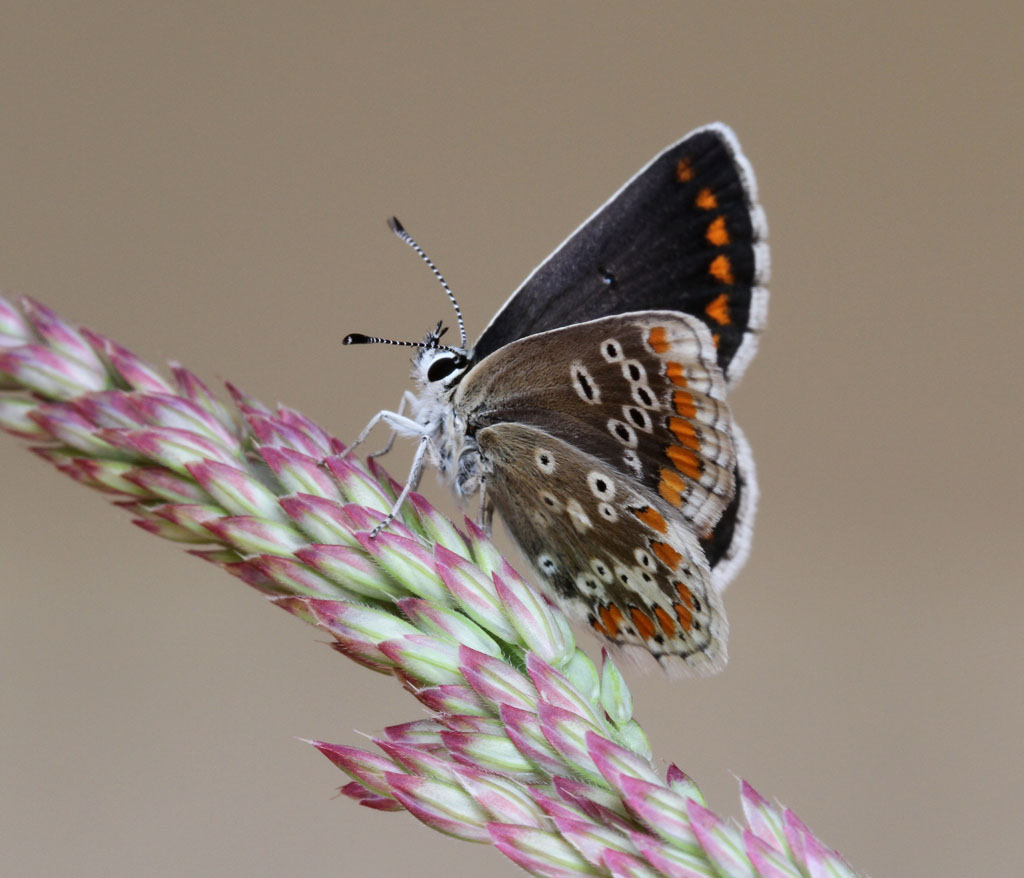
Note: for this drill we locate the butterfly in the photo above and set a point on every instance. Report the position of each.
(591, 414)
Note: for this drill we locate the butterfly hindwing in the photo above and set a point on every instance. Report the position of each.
(685, 234)
(608, 550)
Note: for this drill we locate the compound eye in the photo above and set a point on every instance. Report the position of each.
(442, 368)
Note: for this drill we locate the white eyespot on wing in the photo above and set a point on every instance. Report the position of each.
(545, 461)
(638, 417)
(644, 559)
(601, 486)
(587, 583)
(546, 565)
(583, 383)
(603, 570)
(611, 350)
(581, 521)
(633, 371)
(622, 431)
(643, 395)
(550, 501)
(608, 512)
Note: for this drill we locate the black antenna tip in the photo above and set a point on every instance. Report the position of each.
(395, 225)
(356, 338)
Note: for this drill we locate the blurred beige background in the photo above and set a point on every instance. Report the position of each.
(210, 183)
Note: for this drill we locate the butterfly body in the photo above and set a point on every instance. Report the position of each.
(592, 415)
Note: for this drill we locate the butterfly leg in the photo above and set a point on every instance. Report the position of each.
(398, 423)
(419, 463)
(408, 398)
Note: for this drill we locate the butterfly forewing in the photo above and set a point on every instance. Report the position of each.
(640, 392)
(685, 234)
(609, 550)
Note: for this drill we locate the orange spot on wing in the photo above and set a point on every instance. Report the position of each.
(671, 487)
(684, 609)
(684, 616)
(706, 200)
(658, 339)
(686, 461)
(598, 627)
(612, 619)
(676, 373)
(683, 403)
(716, 338)
(717, 234)
(718, 309)
(684, 431)
(669, 556)
(721, 269)
(684, 170)
(652, 518)
(644, 623)
(667, 622)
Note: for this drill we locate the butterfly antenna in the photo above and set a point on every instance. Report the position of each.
(359, 338)
(400, 231)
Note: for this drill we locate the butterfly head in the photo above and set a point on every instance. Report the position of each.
(437, 366)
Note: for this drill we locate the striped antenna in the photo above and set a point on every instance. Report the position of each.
(400, 231)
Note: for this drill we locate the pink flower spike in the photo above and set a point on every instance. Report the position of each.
(475, 593)
(623, 865)
(270, 431)
(164, 410)
(555, 689)
(367, 624)
(362, 653)
(670, 861)
(351, 569)
(408, 562)
(496, 681)
(193, 388)
(16, 418)
(297, 578)
(538, 627)
(567, 732)
(763, 818)
(255, 536)
(191, 516)
(503, 799)
(722, 843)
(300, 474)
(174, 449)
(359, 793)
(62, 337)
(109, 475)
(592, 840)
(297, 607)
(681, 782)
(437, 527)
(322, 520)
(137, 374)
(246, 404)
(450, 625)
(70, 428)
(168, 531)
(425, 659)
(492, 753)
(164, 485)
(660, 809)
(616, 762)
(49, 374)
(110, 409)
(539, 852)
(357, 486)
(313, 432)
(769, 862)
(524, 730)
(237, 491)
(419, 760)
(421, 734)
(363, 766)
(796, 834)
(453, 699)
(14, 329)
(363, 518)
(821, 862)
(599, 804)
(446, 807)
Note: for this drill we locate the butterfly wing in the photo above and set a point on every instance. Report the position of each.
(640, 392)
(610, 550)
(685, 234)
